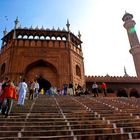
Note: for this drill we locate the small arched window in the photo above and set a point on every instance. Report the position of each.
(58, 38)
(31, 37)
(4, 43)
(19, 36)
(64, 38)
(78, 71)
(36, 37)
(42, 37)
(47, 38)
(25, 37)
(3, 68)
(53, 38)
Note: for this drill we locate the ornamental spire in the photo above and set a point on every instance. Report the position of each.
(79, 35)
(68, 25)
(16, 23)
(125, 73)
(5, 32)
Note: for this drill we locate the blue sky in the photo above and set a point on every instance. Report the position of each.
(42, 12)
(105, 42)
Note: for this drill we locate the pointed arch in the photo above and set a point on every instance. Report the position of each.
(58, 38)
(31, 37)
(25, 37)
(78, 71)
(42, 68)
(19, 37)
(2, 71)
(53, 38)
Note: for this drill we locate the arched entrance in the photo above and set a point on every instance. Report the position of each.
(44, 71)
(43, 83)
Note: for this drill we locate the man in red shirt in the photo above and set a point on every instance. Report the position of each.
(104, 88)
(4, 84)
(9, 94)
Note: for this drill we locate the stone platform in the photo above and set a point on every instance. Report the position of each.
(73, 118)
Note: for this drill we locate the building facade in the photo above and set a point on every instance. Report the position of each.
(54, 55)
(115, 83)
(126, 82)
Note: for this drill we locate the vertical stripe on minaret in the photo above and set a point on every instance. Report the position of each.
(129, 25)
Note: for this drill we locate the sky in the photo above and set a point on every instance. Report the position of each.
(105, 42)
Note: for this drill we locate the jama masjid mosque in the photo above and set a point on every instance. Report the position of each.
(55, 56)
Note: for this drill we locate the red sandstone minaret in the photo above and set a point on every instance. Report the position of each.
(129, 25)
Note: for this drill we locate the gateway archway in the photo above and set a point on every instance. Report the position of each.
(44, 71)
(43, 83)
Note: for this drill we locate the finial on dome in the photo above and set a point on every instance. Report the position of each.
(16, 22)
(68, 25)
(107, 75)
(5, 31)
(125, 73)
(37, 27)
(42, 28)
(79, 34)
(58, 29)
(31, 27)
(53, 28)
(127, 16)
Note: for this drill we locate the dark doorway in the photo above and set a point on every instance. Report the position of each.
(43, 83)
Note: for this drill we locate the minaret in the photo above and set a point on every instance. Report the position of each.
(129, 25)
(16, 26)
(68, 29)
(16, 23)
(68, 25)
(79, 36)
(4, 32)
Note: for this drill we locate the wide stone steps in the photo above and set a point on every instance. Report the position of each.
(73, 118)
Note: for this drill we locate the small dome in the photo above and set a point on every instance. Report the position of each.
(127, 16)
(31, 27)
(53, 29)
(58, 29)
(64, 29)
(37, 28)
(47, 29)
(42, 28)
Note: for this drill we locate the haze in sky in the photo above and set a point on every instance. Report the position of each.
(105, 42)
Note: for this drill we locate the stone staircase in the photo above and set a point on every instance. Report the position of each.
(73, 118)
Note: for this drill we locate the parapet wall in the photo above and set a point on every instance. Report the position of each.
(42, 38)
(128, 79)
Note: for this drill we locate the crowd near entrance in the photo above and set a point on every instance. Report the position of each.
(43, 84)
(10, 91)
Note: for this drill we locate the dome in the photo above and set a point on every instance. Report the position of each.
(127, 16)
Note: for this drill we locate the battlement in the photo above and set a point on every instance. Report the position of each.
(128, 79)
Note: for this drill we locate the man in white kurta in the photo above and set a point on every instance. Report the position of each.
(36, 89)
(22, 92)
